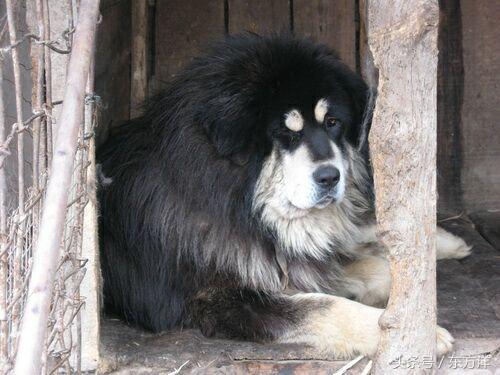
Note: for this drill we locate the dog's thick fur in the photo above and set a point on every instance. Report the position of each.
(208, 217)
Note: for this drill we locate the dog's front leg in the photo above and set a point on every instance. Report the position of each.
(332, 325)
(448, 246)
(368, 278)
(345, 327)
(336, 325)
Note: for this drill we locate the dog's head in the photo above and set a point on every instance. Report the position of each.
(292, 106)
(308, 158)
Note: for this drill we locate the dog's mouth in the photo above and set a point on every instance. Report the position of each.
(290, 209)
(295, 212)
(325, 201)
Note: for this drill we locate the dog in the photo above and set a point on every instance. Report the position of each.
(242, 203)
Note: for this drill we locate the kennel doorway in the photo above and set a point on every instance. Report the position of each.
(165, 35)
(140, 46)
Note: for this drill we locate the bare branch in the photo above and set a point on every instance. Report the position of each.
(28, 359)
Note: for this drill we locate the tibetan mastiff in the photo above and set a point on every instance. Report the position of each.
(241, 203)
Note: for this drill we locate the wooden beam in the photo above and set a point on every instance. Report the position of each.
(403, 38)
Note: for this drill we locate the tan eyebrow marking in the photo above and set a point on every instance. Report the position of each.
(294, 120)
(320, 110)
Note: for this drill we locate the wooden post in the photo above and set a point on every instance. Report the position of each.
(57, 17)
(403, 38)
(4, 261)
(89, 288)
(12, 9)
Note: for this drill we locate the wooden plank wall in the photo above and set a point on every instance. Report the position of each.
(449, 106)
(258, 16)
(178, 30)
(468, 111)
(184, 28)
(480, 172)
(468, 72)
(330, 22)
(112, 75)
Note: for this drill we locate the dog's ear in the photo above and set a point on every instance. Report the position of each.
(364, 108)
(362, 101)
(233, 133)
(238, 152)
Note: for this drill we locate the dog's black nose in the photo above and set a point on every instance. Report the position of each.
(327, 176)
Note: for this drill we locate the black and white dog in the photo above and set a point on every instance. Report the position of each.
(242, 204)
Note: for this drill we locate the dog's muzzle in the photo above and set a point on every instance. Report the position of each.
(326, 178)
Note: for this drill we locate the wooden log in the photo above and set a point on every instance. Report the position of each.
(90, 286)
(258, 16)
(403, 38)
(330, 22)
(4, 260)
(47, 252)
(12, 7)
(58, 18)
(35, 24)
(48, 83)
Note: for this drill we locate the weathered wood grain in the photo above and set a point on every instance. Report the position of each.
(183, 28)
(259, 16)
(329, 22)
(403, 39)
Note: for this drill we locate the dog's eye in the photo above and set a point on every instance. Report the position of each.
(331, 122)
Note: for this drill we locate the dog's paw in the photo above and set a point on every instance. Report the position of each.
(449, 246)
(462, 251)
(444, 342)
